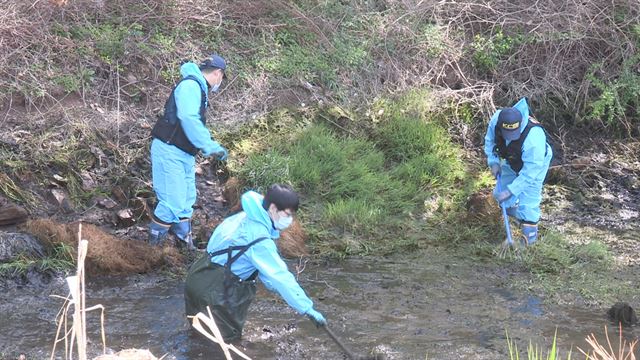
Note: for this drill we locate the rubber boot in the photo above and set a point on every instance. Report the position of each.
(182, 230)
(530, 232)
(157, 231)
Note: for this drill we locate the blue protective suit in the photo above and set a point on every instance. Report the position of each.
(525, 187)
(173, 170)
(250, 224)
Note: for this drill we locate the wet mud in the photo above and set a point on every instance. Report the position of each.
(407, 307)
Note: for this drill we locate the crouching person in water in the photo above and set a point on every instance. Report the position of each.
(519, 155)
(240, 249)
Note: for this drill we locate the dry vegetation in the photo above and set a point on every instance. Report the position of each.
(475, 51)
(107, 254)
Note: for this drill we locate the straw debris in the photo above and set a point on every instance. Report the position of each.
(107, 253)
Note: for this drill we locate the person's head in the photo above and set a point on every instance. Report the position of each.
(509, 121)
(281, 202)
(213, 69)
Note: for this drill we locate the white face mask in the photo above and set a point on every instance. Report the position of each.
(215, 88)
(280, 222)
(283, 222)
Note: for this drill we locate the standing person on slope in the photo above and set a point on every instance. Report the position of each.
(178, 136)
(519, 156)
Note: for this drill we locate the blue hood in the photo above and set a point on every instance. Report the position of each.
(191, 69)
(252, 206)
(523, 107)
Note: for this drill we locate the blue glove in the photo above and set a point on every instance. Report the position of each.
(503, 196)
(221, 155)
(317, 318)
(219, 152)
(495, 170)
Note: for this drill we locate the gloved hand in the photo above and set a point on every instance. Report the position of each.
(495, 170)
(317, 318)
(221, 155)
(219, 152)
(503, 196)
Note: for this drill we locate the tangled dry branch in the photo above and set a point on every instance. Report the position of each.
(551, 48)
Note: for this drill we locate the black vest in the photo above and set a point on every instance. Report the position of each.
(513, 152)
(168, 128)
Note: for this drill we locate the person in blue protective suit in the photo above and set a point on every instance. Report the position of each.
(178, 136)
(519, 156)
(241, 249)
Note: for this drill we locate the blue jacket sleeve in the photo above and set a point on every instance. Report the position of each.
(276, 276)
(533, 158)
(490, 142)
(188, 97)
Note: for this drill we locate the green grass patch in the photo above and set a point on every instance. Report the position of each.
(367, 186)
(535, 352)
(561, 268)
(59, 258)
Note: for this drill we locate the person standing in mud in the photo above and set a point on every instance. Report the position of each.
(519, 156)
(241, 249)
(178, 136)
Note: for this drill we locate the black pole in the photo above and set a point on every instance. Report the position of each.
(342, 346)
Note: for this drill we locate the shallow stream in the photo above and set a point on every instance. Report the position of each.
(408, 307)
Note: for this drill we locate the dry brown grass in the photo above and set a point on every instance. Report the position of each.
(231, 192)
(482, 206)
(107, 254)
(625, 350)
(560, 41)
(292, 241)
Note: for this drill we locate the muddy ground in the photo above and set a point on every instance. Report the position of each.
(405, 306)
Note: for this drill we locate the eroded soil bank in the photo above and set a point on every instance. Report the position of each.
(406, 306)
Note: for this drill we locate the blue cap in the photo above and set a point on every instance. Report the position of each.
(509, 121)
(214, 61)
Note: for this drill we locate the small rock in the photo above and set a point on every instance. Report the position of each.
(17, 244)
(60, 179)
(622, 313)
(11, 214)
(129, 354)
(88, 184)
(107, 203)
(125, 217)
(59, 197)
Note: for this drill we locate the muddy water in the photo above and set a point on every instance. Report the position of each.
(428, 304)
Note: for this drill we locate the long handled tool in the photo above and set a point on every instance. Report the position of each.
(349, 353)
(509, 242)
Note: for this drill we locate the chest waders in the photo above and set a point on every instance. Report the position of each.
(227, 295)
